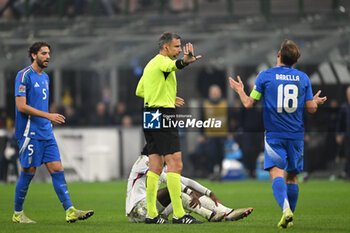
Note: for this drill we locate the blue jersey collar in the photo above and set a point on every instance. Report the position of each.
(284, 66)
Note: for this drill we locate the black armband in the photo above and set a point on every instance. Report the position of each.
(180, 64)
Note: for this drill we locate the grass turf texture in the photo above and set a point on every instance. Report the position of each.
(323, 207)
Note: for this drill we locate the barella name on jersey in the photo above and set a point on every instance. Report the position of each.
(192, 123)
(287, 77)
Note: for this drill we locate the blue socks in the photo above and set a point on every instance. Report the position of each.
(21, 189)
(293, 193)
(58, 181)
(60, 185)
(279, 190)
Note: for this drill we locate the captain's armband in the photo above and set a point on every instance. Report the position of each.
(255, 94)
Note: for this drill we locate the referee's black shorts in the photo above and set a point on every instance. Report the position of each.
(162, 141)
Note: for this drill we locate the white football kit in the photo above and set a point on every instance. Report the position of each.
(136, 206)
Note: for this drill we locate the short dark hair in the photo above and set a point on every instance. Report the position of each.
(166, 38)
(35, 47)
(290, 52)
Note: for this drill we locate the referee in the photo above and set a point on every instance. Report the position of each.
(158, 88)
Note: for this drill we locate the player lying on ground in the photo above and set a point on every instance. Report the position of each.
(194, 197)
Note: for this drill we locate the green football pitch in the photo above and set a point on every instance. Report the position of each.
(323, 207)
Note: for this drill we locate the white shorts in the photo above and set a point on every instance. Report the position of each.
(139, 212)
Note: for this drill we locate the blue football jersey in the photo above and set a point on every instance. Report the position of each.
(35, 88)
(284, 91)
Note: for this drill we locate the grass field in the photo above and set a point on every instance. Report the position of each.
(323, 207)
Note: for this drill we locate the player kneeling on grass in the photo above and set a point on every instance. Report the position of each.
(195, 198)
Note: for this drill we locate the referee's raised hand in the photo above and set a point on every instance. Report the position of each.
(189, 56)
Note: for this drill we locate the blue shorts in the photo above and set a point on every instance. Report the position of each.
(286, 154)
(34, 152)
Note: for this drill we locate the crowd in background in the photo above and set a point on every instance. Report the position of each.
(17, 9)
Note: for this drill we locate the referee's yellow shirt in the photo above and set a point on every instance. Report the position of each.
(157, 85)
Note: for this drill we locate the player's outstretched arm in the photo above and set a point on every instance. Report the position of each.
(23, 107)
(189, 56)
(312, 105)
(238, 87)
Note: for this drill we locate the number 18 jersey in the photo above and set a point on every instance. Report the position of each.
(284, 91)
(35, 88)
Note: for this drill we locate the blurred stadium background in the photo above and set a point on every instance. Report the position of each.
(99, 49)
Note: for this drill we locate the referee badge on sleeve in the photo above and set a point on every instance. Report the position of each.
(151, 119)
